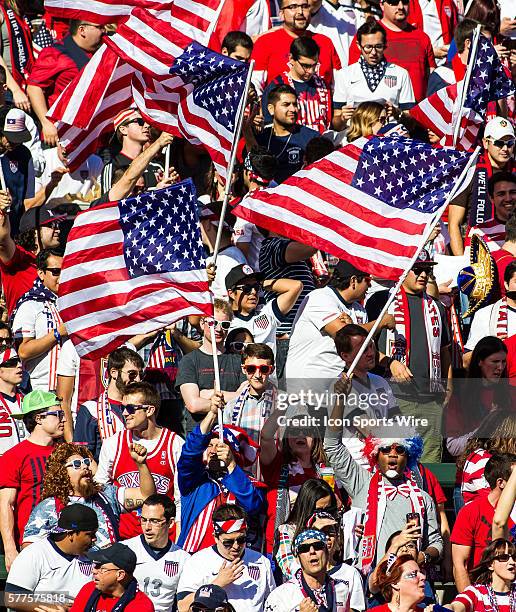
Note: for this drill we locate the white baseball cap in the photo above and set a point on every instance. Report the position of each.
(498, 127)
(14, 128)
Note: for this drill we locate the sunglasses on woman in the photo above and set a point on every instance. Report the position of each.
(77, 464)
(263, 369)
(304, 548)
(503, 558)
(398, 448)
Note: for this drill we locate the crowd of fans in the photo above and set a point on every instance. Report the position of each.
(118, 489)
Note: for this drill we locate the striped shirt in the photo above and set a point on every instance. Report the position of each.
(475, 598)
(473, 482)
(273, 265)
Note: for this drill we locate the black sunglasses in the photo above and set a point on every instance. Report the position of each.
(230, 543)
(53, 271)
(140, 122)
(132, 408)
(505, 557)
(247, 289)
(399, 448)
(304, 548)
(504, 143)
(11, 363)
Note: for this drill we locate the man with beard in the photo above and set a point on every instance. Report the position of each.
(69, 480)
(102, 417)
(209, 475)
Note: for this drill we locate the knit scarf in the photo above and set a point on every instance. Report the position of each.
(109, 424)
(373, 74)
(20, 44)
(127, 598)
(398, 340)
(380, 491)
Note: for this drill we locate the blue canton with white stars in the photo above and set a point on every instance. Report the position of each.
(408, 174)
(161, 231)
(489, 81)
(218, 81)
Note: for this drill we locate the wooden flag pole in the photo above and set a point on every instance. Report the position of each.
(431, 225)
(232, 160)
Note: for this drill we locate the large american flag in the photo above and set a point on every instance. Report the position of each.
(489, 82)
(131, 267)
(181, 86)
(369, 203)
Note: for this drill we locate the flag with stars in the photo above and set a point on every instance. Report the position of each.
(368, 203)
(132, 267)
(181, 86)
(489, 82)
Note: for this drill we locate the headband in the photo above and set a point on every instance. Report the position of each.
(229, 526)
(320, 514)
(309, 534)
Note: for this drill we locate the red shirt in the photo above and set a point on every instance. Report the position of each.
(473, 527)
(433, 486)
(510, 343)
(271, 51)
(23, 468)
(52, 71)
(140, 603)
(502, 259)
(18, 276)
(411, 49)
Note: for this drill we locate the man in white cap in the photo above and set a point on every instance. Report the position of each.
(133, 133)
(16, 160)
(474, 205)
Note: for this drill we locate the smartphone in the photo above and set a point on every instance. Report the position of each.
(413, 518)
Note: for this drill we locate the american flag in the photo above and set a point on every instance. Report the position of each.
(133, 266)
(181, 86)
(489, 82)
(41, 39)
(369, 203)
(171, 568)
(100, 11)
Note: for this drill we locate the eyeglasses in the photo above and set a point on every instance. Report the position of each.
(11, 363)
(94, 25)
(238, 346)
(398, 448)
(419, 270)
(141, 122)
(57, 413)
(225, 325)
(304, 548)
(53, 271)
(263, 368)
(500, 144)
(308, 67)
(152, 521)
(132, 408)
(369, 48)
(247, 289)
(503, 558)
(230, 543)
(99, 568)
(77, 464)
(296, 7)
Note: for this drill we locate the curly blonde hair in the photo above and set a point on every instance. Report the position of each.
(56, 482)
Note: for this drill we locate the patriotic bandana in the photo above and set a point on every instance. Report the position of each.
(229, 526)
(242, 446)
(254, 176)
(373, 74)
(308, 534)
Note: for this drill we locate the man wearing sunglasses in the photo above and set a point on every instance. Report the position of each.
(408, 46)
(55, 565)
(312, 588)
(418, 353)
(22, 468)
(477, 206)
(244, 574)
(244, 286)
(38, 329)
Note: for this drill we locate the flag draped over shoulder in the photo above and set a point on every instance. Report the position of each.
(369, 203)
(489, 82)
(132, 267)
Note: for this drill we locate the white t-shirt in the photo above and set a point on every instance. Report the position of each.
(312, 352)
(339, 24)
(80, 181)
(485, 322)
(288, 596)
(431, 22)
(245, 232)
(34, 320)
(104, 473)
(262, 324)
(158, 571)
(43, 567)
(395, 87)
(248, 592)
(227, 259)
(68, 365)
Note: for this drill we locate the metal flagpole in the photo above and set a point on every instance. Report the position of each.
(426, 235)
(465, 87)
(217, 378)
(232, 160)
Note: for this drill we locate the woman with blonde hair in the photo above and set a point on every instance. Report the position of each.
(367, 120)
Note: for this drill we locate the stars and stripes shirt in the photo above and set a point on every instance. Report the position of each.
(158, 570)
(475, 598)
